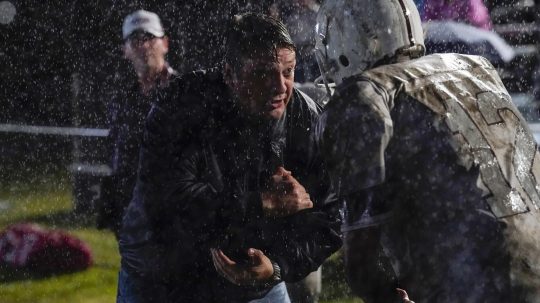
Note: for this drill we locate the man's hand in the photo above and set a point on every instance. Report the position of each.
(286, 195)
(259, 270)
(403, 294)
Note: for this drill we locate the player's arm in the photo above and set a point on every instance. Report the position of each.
(368, 268)
(357, 130)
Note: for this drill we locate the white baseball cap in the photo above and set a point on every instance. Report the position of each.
(142, 20)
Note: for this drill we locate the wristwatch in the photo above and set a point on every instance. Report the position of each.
(276, 276)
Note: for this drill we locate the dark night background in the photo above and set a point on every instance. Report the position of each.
(61, 61)
(50, 47)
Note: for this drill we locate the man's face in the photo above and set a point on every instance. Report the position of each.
(264, 86)
(146, 52)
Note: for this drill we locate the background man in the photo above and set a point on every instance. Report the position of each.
(145, 47)
(221, 210)
(437, 168)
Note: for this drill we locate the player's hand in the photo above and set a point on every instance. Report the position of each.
(286, 195)
(403, 294)
(259, 270)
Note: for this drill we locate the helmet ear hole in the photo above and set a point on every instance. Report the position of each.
(343, 60)
(324, 41)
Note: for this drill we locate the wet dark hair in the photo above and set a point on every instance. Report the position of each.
(253, 35)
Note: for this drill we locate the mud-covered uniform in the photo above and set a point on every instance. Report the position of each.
(448, 169)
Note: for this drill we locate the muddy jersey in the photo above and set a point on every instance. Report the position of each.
(451, 169)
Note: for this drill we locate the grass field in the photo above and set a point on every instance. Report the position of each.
(48, 202)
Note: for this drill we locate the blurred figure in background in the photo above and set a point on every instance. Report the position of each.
(473, 12)
(145, 46)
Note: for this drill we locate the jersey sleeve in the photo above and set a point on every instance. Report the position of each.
(354, 132)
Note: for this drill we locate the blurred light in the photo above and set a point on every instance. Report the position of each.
(7, 12)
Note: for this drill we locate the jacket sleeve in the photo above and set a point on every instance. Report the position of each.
(179, 180)
(311, 236)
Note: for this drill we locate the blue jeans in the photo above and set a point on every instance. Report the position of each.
(278, 294)
(137, 290)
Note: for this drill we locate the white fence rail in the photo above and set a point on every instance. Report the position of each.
(54, 130)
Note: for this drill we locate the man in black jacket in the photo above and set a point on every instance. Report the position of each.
(221, 210)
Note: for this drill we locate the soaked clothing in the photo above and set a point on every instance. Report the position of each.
(203, 166)
(447, 168)
(126, 120)
(137, 290)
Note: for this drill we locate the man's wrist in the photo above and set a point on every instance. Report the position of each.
(275, 278)
(276, 275)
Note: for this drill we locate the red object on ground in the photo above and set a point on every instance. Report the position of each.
(30, 247)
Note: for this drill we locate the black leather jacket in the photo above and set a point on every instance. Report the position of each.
(202, 168)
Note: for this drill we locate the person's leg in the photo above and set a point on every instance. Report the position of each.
(306, 290)
(125, 292)
(278, 294)
(134, 289)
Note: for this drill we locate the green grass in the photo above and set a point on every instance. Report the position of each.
(48, 202)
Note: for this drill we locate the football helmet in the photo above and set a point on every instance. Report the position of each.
(355, 35)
